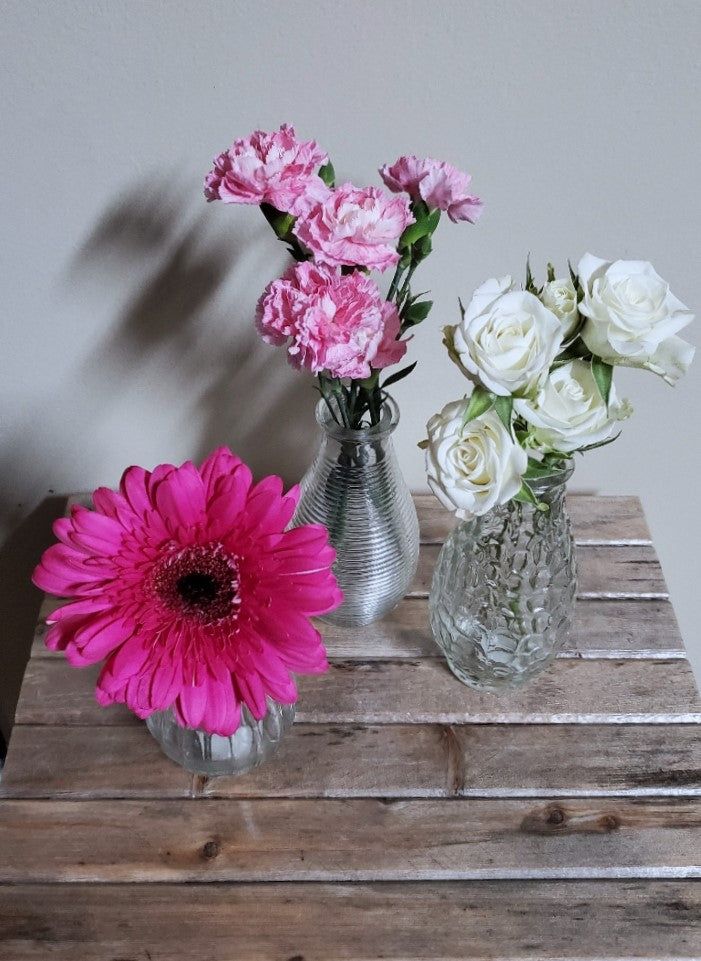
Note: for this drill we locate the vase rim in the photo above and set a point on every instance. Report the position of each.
(389, 418)
(557, 478)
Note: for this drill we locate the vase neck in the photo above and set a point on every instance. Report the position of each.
(551, 488)
(364, 445)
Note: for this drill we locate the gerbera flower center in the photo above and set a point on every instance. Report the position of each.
(201, 582)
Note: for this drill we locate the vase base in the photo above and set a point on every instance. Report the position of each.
(342, 617)
(217, 755)
(497, 685)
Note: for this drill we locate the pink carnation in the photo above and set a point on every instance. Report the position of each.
(271, 168)
(440, 185)
(355, 226)
(331, 322)
(190, 584)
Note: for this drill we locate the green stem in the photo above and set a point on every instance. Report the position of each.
(395, 281)
(407, 280)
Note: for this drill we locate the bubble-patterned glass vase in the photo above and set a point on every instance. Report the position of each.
(214, 754)
(503, 590)
(356, 489)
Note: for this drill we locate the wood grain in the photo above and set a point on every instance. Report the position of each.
(594, 519)
(449, 921)
(602, 629)
(359, 760)
(418, 692)
(611, 629)
(602, 571)
(348, 840)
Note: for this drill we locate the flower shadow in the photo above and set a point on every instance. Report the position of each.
(183, 328)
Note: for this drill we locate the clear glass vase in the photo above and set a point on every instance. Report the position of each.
(356, 489)
(202, 753)
(503, 590)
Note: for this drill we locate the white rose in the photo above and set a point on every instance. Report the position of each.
(560, 296)
(568, 412)
(506, 340)
(474, 467)
(632, 317)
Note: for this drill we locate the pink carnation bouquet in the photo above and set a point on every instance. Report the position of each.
(326, 309)
(188, 583)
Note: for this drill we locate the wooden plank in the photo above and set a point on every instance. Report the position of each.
(358, 760)
(613, 629)
(418, 692)
(594, 519)
(449, 921)
(597, 518)
(348, 840)
(602, 572)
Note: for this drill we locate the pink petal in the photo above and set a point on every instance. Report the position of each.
(180, 498)
(97, 638)
(220, 463)
(133, 487)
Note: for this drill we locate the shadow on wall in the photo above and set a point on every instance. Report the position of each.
(184, 322)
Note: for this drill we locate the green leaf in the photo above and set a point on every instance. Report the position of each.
(551, 273)
(538, 469)
(530, 283)
(603, 375)
(576, 349)
(481, 400)
(328, 174)
(416, 312)
(400, 375)
(281, 223)
(504, 407)
(419, 208)
(526, 496)
(425, 246)
(601, 443)
(424, 226)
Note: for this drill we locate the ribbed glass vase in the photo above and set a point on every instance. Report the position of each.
(213, 754)
(503, 590)
(356, 489)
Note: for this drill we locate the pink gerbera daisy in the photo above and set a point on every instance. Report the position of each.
(189, 584)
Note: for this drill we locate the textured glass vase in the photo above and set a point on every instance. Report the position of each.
(213, 754)
(503, 590)
(356, 489)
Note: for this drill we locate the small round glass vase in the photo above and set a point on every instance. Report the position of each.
(201, 753)
(503, 591)
(356, 490)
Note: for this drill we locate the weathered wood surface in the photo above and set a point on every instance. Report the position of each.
(348, 840)
(394, 773)
(419, 691)
(602, 628)
(595, 518)
(450, 921)
(602, 571)
(358, 760)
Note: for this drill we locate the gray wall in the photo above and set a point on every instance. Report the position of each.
(127, 302)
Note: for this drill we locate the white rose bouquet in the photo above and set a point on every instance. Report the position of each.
(541, 361)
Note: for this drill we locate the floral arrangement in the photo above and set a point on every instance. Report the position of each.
(188, 583)
(541, 360)
(326, 309)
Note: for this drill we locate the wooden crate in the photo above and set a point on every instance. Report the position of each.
(405, 817)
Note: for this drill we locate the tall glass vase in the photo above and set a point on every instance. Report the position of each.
(356, 489)
(503, 590)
